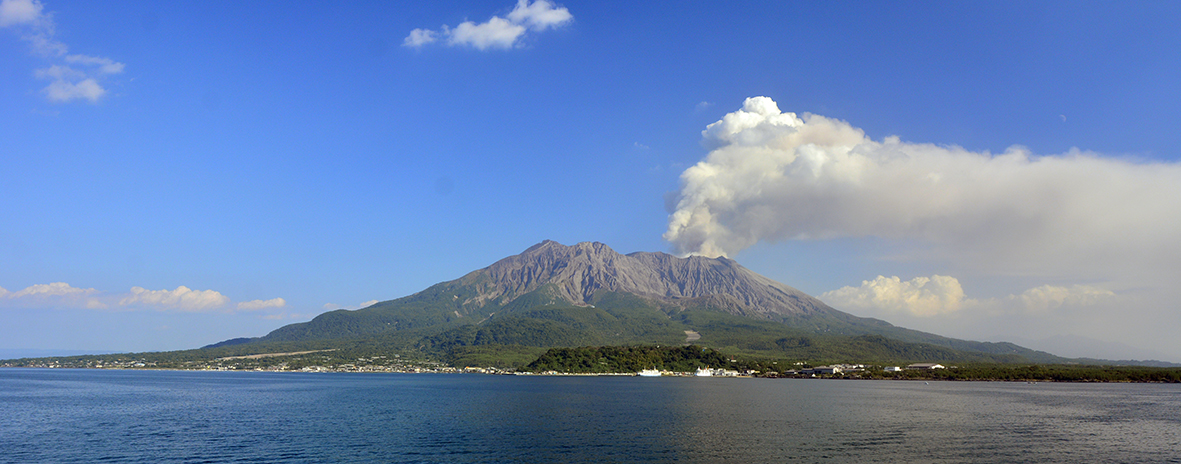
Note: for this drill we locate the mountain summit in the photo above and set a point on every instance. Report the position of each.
(577, 273)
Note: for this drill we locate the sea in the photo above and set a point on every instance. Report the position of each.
(146, 416)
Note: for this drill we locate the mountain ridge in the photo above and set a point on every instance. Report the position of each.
(581, 270)
(553, 295)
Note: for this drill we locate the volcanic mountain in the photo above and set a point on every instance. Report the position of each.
(576, 274)
(552, 295)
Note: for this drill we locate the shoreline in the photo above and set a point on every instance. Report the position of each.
(487, 371)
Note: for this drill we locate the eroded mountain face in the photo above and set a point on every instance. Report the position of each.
(575, 273)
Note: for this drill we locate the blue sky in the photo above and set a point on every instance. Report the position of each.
(245, 166)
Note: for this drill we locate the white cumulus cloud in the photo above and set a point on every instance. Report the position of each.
(182, 299)
(496, 32)
(943, 295)
(921, 296)
(53, 289)
(539, 15)
(52, 295)
(774, 176)
(938, 304)
(81, 81)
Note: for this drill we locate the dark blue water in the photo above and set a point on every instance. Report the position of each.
(214, 417)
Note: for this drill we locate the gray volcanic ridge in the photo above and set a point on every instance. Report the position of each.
(577, 273)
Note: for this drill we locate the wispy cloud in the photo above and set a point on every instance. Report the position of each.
(62, 90)
(333, 306)
(60, 295)
(72, 77)
(50, 290)
(101, 65)
(255, 305)
(420, 37)
(55, 294)
(14, 12)
(496, 32)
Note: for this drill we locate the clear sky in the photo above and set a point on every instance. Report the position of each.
(180, 173)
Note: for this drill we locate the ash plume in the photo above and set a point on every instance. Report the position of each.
(774, 176)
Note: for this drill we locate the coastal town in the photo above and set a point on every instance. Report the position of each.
(325, 361)
(306, 362)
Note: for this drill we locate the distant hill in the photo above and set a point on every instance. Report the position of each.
(552, 295)
(230, 342)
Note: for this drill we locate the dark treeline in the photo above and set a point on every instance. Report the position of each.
(1040, 373)
(622, 359)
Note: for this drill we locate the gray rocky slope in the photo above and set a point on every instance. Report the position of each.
(576, 273)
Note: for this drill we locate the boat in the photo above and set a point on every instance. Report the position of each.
(648, 373)
(703, 372)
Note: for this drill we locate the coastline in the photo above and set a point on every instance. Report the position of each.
(494, 371)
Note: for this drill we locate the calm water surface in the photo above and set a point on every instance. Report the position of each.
(215, 417)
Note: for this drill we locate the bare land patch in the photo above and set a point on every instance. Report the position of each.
(271, 355)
